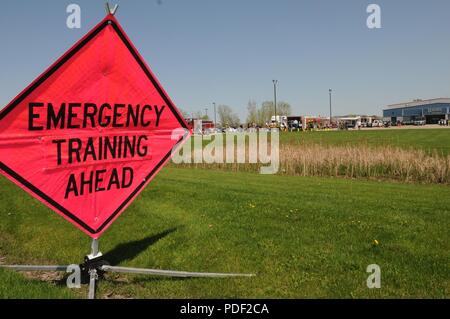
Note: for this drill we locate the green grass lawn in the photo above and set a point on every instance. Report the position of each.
(15, 285)
(425, 139)
(303, 237)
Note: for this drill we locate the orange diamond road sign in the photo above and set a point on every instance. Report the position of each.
(92, 131)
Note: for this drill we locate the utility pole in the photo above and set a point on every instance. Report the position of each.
(275, 82)
(331, 114)
(215, 115)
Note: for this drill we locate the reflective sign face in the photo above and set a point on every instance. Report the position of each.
(89, 134)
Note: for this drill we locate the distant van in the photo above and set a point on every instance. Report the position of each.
(377, 123)
(420, 122)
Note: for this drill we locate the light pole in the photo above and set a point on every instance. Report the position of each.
(331, 114)
(206, 112)
(275, 82)
(215, 115)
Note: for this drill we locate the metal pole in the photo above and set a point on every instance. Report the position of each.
(109, 10)
(34, 268)
(94, 250)
(94, 247)
(215, 115)
(331, 115)
(275, 82)
(169, 273)
(92, 279)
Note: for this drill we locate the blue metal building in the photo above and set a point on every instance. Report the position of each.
(432, 111)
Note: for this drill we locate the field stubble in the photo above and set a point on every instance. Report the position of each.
(352, 161)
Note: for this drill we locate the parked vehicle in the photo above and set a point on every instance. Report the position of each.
(295, 123)
(420, 122)
(377, 123)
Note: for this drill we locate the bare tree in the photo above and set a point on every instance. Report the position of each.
(199, 115)
(266, 112)
(252, 110)
(284, 109)
(227, 117)
(185, 114)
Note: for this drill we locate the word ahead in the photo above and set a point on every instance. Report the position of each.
(94, 179)
(91, 132)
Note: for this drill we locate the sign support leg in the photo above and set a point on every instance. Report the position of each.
(93, 277)
(95, 266)
(34, 268)
(169, 273)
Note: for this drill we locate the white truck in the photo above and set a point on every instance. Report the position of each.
(377, 123)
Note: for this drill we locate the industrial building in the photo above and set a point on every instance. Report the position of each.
(430, 111)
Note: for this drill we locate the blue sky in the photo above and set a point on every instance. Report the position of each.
(228, 51)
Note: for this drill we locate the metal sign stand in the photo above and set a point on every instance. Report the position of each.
(95, 266)
(109, 10)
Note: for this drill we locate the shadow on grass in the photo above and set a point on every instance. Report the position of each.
(132, 249)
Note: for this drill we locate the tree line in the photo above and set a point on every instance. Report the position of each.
(263, 114)
(258, 115)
